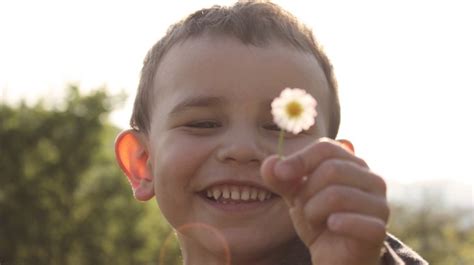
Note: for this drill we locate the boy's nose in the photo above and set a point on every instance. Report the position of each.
(241, 150)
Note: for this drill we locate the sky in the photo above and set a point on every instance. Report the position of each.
(405, 68)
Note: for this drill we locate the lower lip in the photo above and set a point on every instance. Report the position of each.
(239, 207)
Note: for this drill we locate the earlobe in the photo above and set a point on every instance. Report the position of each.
(347, 144)
(132, 158)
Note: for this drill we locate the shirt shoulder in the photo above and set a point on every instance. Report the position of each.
(396, 252)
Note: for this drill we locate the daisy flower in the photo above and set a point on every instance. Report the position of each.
(294, 111)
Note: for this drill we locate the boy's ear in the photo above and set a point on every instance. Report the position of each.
(132, 157)
(347, 144)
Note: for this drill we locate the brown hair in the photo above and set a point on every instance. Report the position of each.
(252, 22)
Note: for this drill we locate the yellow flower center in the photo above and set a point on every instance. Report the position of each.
(294, 109)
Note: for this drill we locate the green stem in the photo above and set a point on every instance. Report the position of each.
(280, 143)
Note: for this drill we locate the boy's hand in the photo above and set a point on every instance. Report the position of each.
(338, 206)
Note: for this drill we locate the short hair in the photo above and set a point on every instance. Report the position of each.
(253, 23)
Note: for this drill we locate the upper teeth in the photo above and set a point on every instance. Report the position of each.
(236, 193)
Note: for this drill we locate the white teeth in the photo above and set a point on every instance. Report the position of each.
(216, 193)
(235, 194)
(245, 194)
(254, 194)
(225, 192)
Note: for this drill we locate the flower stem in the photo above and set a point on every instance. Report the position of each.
(280, 143)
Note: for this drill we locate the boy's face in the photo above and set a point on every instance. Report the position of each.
(212, 128)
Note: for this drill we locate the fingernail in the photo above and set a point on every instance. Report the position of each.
(283, 170)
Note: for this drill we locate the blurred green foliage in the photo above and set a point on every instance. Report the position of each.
(442, 235)
(63, 199)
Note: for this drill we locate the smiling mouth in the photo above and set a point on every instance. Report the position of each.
(232, 194)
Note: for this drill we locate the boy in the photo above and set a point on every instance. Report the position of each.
(203, 143)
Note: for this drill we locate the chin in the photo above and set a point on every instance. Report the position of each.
(236, 242)
(253, 243)
(272, 247)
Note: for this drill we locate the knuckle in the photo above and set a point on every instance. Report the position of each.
(325, 147)
(361, 162)
(380, 231)
(312, 215)
(330, 167)
(385, 211)
(334, 197)
(380, 184)
(299, 162)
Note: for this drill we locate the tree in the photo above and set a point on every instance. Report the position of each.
(63, 200)
(442, 235)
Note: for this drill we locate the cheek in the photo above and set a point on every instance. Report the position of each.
(177, 154)
(322, 125)
(175, 171)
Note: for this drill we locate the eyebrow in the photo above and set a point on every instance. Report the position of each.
(196, 102)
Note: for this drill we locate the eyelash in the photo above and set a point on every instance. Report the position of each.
(272, 127)
(204, 125)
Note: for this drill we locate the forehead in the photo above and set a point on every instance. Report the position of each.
(227, 68)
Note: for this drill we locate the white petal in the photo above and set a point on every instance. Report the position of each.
(289, 123)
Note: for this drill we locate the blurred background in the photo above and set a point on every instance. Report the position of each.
(68, 75)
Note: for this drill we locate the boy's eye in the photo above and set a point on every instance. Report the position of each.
(204, 124)
(272, 127)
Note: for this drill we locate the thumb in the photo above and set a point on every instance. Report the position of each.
(283, 187)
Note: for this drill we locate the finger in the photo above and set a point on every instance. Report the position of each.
(358, 226)
(305, 230)
(343, 173)
(344, 199)
(305, 161)
(283, 188)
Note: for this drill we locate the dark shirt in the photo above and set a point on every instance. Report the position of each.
(397, 253)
